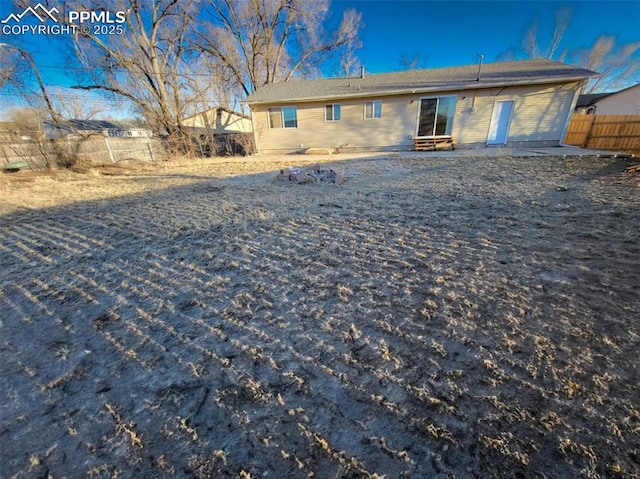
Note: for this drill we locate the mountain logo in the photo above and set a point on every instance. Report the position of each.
(39, 11)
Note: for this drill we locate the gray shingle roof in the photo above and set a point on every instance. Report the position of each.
(439, 79)
(88, 125)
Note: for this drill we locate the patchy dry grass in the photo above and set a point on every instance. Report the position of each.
(440, 318)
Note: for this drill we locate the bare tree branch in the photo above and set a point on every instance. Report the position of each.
(530, 42)
(26, 56)
(265, 41)
(148, 63)
(562, 19)
(618, 66)
(412, 62)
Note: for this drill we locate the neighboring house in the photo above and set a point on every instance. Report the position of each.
(623, 102)
(87, 128)
(526, 103)
(220, 120)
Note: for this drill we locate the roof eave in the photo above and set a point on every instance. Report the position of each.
(472, 85)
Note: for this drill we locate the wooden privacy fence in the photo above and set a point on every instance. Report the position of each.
(605, 132)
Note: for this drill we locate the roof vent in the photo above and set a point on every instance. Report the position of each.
(362, 72)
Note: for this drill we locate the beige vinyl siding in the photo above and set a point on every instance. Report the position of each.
(353, 130)
(539, 116)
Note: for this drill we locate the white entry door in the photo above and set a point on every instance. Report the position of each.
(499, 127)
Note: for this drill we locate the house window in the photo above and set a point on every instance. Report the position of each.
(373, 109)
(332, 112)
(283, 117)
(436, 116)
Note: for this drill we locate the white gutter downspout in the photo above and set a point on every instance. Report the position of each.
(574, 101)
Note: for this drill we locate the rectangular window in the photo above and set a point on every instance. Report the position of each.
(283, 117)
(275, 117)
(436, 116)
(373, 109)
(332, 112)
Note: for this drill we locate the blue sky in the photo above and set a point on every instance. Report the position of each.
(448, 33)
(441, 33)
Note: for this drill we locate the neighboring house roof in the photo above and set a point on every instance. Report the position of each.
(99, 126)
(417, 81)
(92, 125)
(590, 98)
(215, 110)
(593, 98)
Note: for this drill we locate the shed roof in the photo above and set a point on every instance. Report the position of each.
(419, 81)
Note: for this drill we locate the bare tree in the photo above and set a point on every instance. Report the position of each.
(562, 19)
(148, 64)
(265, 41)
(26, 117)
(531, 43)
(348, 60)
(10, 60)
(70, 104)
(616, 65)
(18, 81)
(412, 62)
(173, 58)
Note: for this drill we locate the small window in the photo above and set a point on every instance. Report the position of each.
(332, 112)
(373, 109)
(275, 117)
(283, 117)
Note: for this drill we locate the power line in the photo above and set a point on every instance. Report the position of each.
(117, 69)
(70, 97)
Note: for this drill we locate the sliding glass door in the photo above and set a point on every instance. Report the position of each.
(436, 116)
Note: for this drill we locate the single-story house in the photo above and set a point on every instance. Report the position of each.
(517, 104)
(623, 102)
(220, 120)
(86, 128)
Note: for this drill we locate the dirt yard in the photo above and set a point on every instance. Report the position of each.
(429, 318)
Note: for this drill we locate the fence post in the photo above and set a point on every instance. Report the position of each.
(585, 143)
(106, 140)
(153, 158)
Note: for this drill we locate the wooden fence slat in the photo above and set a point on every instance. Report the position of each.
(605, 132)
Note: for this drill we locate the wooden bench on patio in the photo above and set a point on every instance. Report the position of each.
(433, 144)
